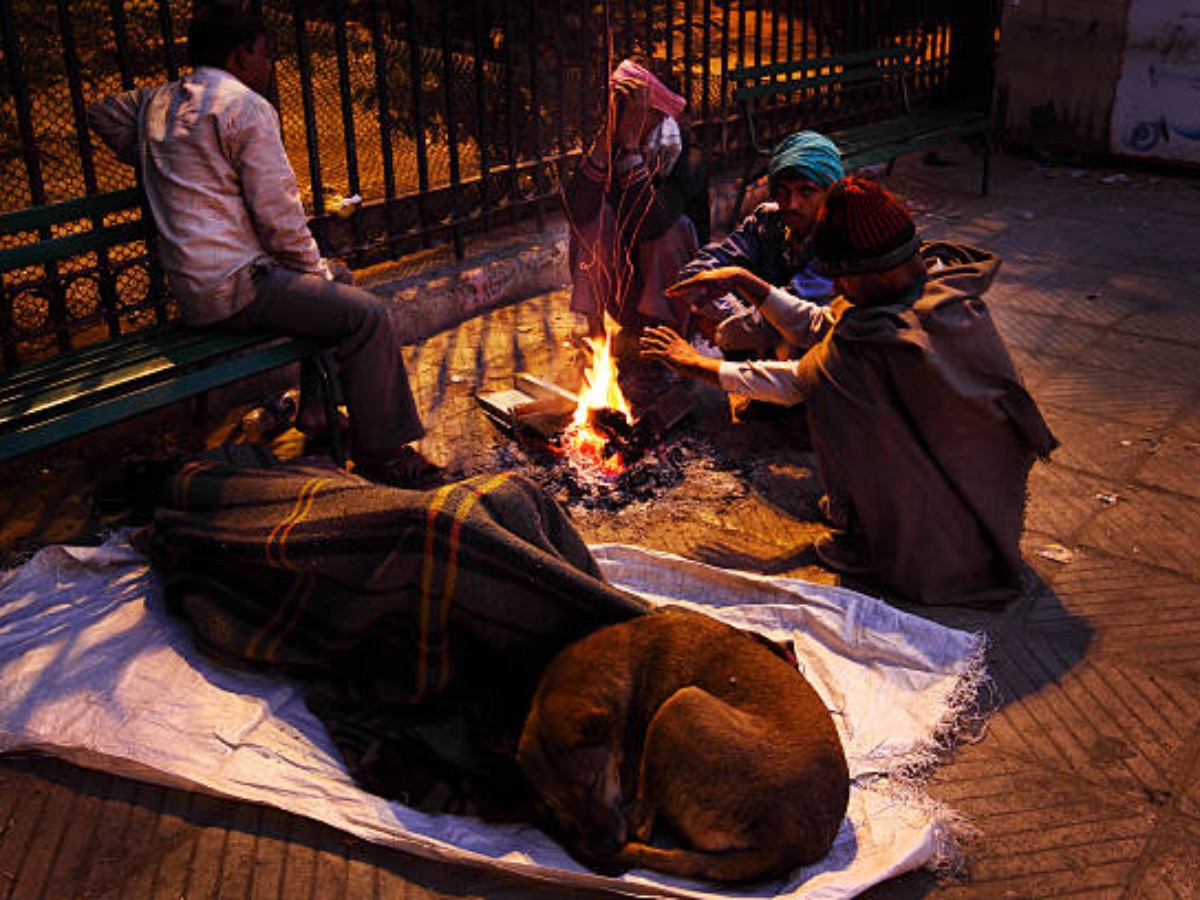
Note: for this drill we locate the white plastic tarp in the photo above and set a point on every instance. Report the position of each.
(93, 670)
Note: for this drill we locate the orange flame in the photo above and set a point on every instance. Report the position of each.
(581, 440)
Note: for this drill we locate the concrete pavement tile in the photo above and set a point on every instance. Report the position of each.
(1032, 335)
(1175, 466)
(1112, 451)
(1144, 358)
(1062, 501)
(1172, 325)
(1082, 305)
(1101, 721)
(1150, 526)
(1145, 291)
(1040, 833)
(1187, 425)
(1112, 394)
(1171, 867)
(1189, 800)
(1142, 615)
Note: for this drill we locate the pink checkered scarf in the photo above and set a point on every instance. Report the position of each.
(662, 97)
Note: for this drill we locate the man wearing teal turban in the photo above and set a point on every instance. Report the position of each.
(771, 249)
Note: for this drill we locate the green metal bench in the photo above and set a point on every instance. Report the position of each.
(875, 85)
(78, 391)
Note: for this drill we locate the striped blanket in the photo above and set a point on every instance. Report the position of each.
(419, 620)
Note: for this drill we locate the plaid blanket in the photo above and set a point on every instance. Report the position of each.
(421, 620)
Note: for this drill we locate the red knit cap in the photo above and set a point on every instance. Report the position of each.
(862, 228)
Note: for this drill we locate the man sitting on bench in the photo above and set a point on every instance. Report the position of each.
(234, 237)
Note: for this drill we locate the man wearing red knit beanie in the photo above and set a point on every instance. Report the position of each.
(923, 432)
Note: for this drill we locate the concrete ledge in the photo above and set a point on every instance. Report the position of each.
(516, 267)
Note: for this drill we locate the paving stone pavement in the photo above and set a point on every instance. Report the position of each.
(1086, 781)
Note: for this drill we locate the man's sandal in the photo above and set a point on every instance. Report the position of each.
(407, 469)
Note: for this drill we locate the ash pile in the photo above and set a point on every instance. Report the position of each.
(604, 462)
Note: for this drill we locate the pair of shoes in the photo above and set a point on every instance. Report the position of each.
(841, 554)
(407, 469)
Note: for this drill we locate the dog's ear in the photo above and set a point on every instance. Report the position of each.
(593, 726)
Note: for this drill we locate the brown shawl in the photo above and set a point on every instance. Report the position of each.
(920, 421)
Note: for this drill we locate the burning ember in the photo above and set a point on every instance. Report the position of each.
(602, 421)
(586, 448)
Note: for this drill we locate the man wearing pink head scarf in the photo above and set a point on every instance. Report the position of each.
(630, 234)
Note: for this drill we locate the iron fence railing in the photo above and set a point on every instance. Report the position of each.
(446, 118)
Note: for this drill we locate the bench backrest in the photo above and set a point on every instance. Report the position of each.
(64, 265)
(824, 81)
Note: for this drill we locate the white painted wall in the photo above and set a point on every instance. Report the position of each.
(1156, 113)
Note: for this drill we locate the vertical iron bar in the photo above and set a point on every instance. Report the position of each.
(584, 57)
(158, 281)
(514, 188)
(535, 118)
(775, 54)
(311, 136)
(452, 131)
(379, 49)
(669, 33)
(741, 38)
(342, 49)
(758, 33)
(687, 54)
(349, 137)
(561, 113)
(481, 118)
(108, 293)
(33, 166)
(790, 12)
(648, 19)
(170, 58)
(706, 52)
(627, 28)
(116, 9)
(418, 107)
(724, 84)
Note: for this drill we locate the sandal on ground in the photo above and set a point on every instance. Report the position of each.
(407, 469)
(841, 554)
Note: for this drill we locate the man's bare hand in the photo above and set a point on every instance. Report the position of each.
(664, 345)
(703, 288)
(631, 99)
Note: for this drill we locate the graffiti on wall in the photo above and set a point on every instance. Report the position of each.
(1157, 108)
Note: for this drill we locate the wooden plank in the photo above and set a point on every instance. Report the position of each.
(172, 341)
(89, 414)
(128, 368)
(847, 60)
(35, 218)
(56, 249)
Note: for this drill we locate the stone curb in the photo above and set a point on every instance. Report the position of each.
(520, 267)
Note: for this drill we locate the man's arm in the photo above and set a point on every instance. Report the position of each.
(270, 190)
(744, 247)
(801, 322)
(115, 120)
(774, 382)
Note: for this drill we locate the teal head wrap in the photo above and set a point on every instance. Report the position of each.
(808, 154)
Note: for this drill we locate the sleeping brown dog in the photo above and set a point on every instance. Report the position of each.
(677, 718)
